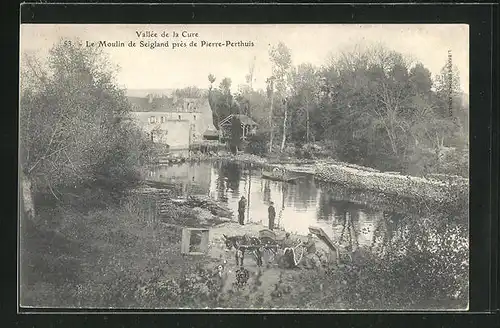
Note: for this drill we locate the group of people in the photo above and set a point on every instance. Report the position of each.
(312, 258)
(241, 212)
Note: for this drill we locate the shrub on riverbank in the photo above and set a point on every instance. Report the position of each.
(76, 132)
(80, 151)
(119, 256)
(419, 265)
(97, 258)
(257, 144)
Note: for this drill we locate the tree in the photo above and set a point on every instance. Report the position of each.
(372, 98)
(270, 94)
(392, 93)
(189, 92)
(252, 103)
(211, 79)
(222, 102)
(75, 128)
(305, 85)
(327, 111)
(420, 78)
(281, 60)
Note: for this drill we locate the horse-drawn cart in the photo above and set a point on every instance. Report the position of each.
(281, 249)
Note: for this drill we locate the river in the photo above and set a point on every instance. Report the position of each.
(298, 205)
(405, 257)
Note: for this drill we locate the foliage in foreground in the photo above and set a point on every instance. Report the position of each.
(121, 256)
(410, 265)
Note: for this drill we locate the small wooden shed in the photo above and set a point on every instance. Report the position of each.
(248, 126)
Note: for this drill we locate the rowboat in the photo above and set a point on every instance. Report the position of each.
(279, 174)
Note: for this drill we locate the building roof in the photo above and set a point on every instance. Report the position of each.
(167, 104)
(243, 119)
(246, 120)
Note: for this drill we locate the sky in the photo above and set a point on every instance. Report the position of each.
(162, 68)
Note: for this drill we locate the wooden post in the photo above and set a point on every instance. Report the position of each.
(26, 204)
(283, 140)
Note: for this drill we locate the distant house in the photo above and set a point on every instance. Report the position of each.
(167, 119)
(248, 126)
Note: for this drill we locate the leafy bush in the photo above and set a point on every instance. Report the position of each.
(456, 162)
(75, 124)
(422, 266)
(257, 144)
(96, 258)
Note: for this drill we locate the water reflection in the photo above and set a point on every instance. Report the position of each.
(350, 228)
(298, 206)
(187, 178)
(325, 210)
(230, 172)
(416, 251)
(266, 194)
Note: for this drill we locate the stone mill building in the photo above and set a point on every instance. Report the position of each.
(171, 120)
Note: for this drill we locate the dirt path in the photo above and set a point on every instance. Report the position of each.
(270, 272)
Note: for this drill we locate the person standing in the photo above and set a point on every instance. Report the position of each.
(241, 210)
(271, 215)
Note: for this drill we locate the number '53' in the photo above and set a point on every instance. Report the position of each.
(67, 43)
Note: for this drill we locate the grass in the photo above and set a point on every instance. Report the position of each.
(97, 259)
(113, 257)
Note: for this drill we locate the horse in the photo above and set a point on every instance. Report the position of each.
(253, 244)
(242, 244)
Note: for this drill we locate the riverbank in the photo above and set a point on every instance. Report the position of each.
(443, 191)
(265, 283)
(452, 192)
(128, 255)
(385, 202)
(194, 157)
